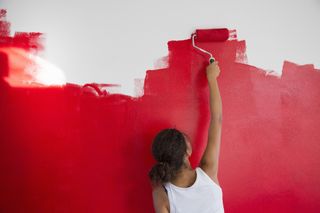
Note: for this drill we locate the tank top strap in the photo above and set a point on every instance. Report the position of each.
(165, 189)
(206, 177)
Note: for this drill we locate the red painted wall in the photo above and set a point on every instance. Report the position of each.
(65, 150)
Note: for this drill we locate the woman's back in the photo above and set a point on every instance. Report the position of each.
(203, 196)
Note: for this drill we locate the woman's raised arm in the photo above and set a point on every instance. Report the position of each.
(210, 159)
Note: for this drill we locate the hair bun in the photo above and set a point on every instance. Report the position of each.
(161, 172)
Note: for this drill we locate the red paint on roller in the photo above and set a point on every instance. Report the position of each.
(63, 150)
(212, 35)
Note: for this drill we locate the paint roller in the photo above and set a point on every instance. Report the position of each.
(209, 35)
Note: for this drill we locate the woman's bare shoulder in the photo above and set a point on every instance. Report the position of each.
(160, 199)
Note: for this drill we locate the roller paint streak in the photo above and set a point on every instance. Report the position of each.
(66, 150)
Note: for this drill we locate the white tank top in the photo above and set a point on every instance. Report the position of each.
(203, 196)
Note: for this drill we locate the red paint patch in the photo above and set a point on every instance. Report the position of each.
(64, 150)
(19, 51)
(27, 41)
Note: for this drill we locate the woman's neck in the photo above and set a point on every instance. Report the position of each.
(185, 177)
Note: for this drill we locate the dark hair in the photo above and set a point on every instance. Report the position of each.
(168, 148)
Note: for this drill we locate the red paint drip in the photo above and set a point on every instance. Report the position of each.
(64, 150)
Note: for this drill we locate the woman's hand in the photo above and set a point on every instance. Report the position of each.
(213, 71)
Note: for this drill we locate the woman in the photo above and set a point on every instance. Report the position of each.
(177, 187)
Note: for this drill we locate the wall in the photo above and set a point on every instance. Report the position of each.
(121, 39)
(67, 149)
